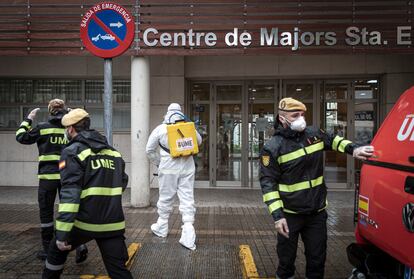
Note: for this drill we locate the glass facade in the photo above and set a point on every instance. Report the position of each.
(235, 118)
(19, 96)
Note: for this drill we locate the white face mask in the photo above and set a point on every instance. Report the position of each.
(297, 125)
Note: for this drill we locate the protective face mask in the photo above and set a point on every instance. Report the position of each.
(297, 125)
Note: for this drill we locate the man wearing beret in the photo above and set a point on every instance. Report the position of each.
(93, 178)
(291, 178)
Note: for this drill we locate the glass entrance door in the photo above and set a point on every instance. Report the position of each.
(335, 121)
(262, 103)
(229, 135)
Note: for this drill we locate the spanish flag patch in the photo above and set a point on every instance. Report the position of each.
(363, 205)
(62, 165)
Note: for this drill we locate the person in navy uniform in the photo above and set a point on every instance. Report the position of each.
(50, 139)
(93, 179)
(294, 189)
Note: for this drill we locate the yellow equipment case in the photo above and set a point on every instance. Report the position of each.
(182, 139)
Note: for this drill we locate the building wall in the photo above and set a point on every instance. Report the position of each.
(18, 163)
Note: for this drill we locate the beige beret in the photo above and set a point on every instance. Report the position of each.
(290, 104)
(74, 116)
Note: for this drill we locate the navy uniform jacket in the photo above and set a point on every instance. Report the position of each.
(50, 139)
(291, 170)
(93, 179)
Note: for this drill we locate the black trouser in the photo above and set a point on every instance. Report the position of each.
(113, 250)
(312, 229)
(46, 195)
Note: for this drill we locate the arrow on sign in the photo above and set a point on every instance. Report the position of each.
(118, 24)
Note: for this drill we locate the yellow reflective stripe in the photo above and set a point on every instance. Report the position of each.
(25, 124)
(291, 156)
(68, 207)
(344, 143)
(275, 206)
(301, 185)
(294, 187)
(317, 181)
(63, 226)
(20, 131)
(53, 176)
(271, 196)
(84, 154)
(314, 147)
(52, 131)
(289, 211)
(101, 191)
(88, 152)
(49, 158)
(100, 227)
(109, 152)
(335, 142)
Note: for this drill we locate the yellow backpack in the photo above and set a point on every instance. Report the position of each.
(182, 139)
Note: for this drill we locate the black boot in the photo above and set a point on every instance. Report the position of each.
(81, 253)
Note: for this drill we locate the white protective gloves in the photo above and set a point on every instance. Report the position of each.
(32, 114)
(363, 152)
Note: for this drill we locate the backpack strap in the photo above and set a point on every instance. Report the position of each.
(177, 113)
(164, 148)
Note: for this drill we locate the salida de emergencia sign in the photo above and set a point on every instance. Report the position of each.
(107, 29)
(354, 36)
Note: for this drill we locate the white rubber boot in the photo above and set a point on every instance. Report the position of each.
(160, 228)
(188, 236)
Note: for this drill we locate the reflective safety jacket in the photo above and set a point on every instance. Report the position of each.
(291, 170)
(93, 178)
(50, 139)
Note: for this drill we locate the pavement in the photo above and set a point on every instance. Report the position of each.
(226, 218)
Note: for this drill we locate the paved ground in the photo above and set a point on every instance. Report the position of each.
(225, 218)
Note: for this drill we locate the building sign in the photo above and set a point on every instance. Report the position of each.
(107, 30)
(273, 37)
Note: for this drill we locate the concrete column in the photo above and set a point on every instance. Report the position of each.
(140, 118)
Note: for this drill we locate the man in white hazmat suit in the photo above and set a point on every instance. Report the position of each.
(175, 176)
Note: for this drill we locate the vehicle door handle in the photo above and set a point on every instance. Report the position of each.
(409, 185)
(411, 159)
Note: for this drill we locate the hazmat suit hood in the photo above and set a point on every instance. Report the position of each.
(93, 139)
(173, 114)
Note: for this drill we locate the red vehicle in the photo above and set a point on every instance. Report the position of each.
(384, 233)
